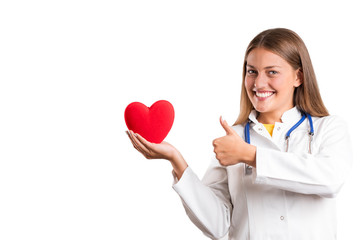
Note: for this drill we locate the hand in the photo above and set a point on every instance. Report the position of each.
(162, 150)
(232, 149)
(150, 150)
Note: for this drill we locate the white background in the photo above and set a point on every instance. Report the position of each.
(69, 68)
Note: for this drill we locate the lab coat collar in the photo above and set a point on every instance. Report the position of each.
(290, 116)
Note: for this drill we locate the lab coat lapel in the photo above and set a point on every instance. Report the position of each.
(289, 118)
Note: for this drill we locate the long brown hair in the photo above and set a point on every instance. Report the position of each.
(288, 45)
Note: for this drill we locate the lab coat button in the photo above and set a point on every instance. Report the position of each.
(260, 129)
(278, 128)
(282, 218)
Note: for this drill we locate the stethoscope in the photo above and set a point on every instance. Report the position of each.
(287, 136)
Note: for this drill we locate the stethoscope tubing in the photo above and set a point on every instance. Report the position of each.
(248, 169)
(288, 133)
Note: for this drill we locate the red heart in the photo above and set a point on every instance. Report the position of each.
(152, 123)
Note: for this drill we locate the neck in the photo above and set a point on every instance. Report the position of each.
(269, 118)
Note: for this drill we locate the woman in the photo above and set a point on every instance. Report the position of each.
(281, 182)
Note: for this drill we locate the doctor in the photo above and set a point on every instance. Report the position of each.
(278, 169)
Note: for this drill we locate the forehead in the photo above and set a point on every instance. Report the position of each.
(261, 57)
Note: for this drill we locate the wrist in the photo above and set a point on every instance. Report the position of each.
(174, 156)
(178, 163)
(250, 156)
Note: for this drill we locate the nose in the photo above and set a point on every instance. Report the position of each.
(261, 80)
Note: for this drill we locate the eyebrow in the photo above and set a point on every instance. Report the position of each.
(274, 66)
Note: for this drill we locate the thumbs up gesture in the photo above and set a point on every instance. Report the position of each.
(232, 149)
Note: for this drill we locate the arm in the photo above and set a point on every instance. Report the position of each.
(207, 202)
(208, 207)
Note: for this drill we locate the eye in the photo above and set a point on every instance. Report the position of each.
(251, 72)
(273, 72)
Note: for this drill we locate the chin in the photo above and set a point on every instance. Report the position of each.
(262, 109)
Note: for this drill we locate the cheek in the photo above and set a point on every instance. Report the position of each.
(248, 86)
(249, 83)
(283, 87)
(279, 83)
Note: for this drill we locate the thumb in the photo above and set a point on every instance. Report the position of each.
(226, 127)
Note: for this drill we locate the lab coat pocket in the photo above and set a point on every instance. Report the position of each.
(299, 142)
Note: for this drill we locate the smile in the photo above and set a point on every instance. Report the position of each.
(264, 94)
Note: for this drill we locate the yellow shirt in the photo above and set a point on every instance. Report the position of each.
(269, 128)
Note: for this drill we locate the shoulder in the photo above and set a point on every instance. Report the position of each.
(330, 121)
(331, 127)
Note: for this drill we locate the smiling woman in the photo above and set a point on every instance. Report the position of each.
(275, 58)
(270, 87)
(267, 188)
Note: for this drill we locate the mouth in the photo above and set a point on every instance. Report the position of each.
(262, 95)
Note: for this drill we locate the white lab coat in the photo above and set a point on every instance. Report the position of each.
(289, 195)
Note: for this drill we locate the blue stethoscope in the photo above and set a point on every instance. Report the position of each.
(287, 136)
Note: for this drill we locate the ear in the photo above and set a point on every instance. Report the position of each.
(299, 77)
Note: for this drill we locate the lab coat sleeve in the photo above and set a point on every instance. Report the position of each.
(207, 202)
(322, 173)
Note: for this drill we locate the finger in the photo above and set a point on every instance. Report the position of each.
(218, 157)
(134, 138)
(215, 151)
(133, 141)
(140, 146)
(215, 142)
(226, 126)
(143, 141)
(131, 138)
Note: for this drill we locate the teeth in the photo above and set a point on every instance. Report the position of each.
(264, 94)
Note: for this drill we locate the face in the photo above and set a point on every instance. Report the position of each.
(270, 83)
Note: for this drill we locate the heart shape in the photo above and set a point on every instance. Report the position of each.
(153, 123)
